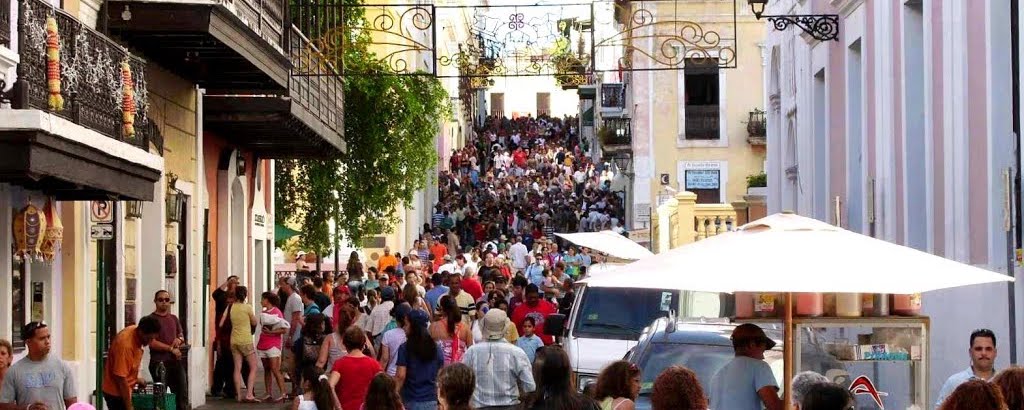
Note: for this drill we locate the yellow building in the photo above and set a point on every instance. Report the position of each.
(696, 80)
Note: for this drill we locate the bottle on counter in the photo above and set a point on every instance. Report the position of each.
(848, 305)
(906, 305)
(810, 304)
(875, 304)
(766, 305)
(744, 305)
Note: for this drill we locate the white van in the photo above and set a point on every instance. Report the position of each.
(605, 323)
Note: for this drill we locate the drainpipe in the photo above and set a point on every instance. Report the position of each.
(1013, 233)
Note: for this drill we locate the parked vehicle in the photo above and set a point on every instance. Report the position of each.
(601, 329)
(703, 348)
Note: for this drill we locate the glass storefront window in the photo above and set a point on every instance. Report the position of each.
(18, 276)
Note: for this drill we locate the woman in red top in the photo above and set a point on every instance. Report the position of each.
(351, 375)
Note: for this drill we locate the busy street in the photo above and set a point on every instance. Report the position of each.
(511, 205)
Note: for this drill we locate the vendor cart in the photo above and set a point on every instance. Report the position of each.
(882, 360)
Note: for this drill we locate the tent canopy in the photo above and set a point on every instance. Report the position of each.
(608, 242)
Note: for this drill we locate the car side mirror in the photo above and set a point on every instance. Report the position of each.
(554, 325)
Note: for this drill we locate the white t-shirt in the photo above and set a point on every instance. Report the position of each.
(393, 339)
(292, 305)
(518, 252)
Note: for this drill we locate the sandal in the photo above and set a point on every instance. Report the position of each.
(253, 400)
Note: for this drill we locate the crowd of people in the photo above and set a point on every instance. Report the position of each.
(529, 177)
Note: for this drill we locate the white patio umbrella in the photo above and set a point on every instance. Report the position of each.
(608, 242)
(789, 253)
(792, 253)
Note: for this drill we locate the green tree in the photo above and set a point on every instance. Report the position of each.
(390, 125)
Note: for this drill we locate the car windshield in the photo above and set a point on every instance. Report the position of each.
(704, 360)
(603, 313)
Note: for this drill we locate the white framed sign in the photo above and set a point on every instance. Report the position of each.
(702, 178)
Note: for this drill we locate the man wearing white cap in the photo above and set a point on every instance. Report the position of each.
(498, 389)
(448, 265)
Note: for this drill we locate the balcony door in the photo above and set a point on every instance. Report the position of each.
(701, 88)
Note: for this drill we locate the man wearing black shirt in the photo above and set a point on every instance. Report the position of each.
(320, 298)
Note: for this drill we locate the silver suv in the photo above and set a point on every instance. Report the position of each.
(700, 346)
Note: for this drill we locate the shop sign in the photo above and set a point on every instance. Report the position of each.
(102, 232)
(702, 178)
(863, 385)
(101, 212)
(260, 220)
(640, 235)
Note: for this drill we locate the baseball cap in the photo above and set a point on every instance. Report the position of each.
(419, 318)
(290, 280)
(494, 324)
(447, 258)
(387, 293)
(751, 332)
(342, 289)
(401, 311)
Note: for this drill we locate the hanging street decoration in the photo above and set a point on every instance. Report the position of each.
(55, 101)
(127, 99)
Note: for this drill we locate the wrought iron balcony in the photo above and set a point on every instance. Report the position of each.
(93, 82)
(615, 134)
(613, 96)
(702, 122)
(756, 128)
(317, 89)
(5, 23)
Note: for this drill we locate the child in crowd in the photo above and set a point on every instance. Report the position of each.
(529, 342)
(316, 391)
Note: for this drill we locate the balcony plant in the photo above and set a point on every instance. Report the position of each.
(757, 126)
(759, 180)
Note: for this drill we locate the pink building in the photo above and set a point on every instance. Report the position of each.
(905, 126)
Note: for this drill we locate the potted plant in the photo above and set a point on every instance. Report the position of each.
(757, 184)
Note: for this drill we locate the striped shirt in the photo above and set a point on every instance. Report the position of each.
(499, 367)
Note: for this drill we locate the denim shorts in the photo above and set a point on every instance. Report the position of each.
(421, 405)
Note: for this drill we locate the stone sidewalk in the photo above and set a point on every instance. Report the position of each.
(219, 403)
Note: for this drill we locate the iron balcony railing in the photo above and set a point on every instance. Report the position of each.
(613, 95)
(702, 122)
(315, 84)
(5, 23)
(92, 81)
(616, 131)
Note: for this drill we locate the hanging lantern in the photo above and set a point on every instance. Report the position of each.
(175, 200)
(54, 233)
(28, 228)
(133, 209)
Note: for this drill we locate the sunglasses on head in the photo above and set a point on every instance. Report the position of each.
(30, 329)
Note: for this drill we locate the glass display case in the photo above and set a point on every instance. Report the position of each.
(882, 360)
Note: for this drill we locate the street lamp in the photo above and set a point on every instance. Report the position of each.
(175, 200)
(821, 27)
(133, 209)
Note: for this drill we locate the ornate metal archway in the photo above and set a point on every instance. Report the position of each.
(570, 41)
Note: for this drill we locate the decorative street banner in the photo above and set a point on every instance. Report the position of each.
(571, 42)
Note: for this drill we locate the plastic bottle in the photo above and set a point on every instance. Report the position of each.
(810, 304)
(744, 305)
(906, 305)
(848, 305)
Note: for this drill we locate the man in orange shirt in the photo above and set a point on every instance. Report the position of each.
(121, 371)
(387, 260)
(439, 251)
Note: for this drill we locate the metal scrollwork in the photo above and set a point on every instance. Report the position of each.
(669, 44)
(822, 27)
